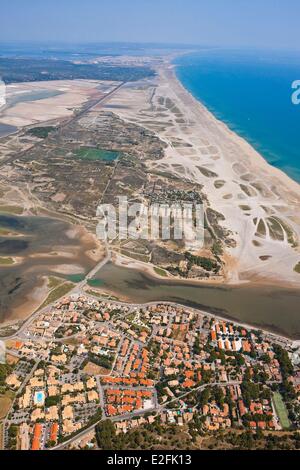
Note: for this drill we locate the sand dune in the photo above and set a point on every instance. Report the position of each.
(260, 203)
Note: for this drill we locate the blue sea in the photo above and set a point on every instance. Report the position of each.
(251, 92)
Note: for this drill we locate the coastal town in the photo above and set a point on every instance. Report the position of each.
(150, 233)
(85, 363)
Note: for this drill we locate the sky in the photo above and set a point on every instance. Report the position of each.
(238, 23)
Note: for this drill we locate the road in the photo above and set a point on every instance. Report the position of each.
(28, 376)
(139, 413)
(90, 428)
(73, 118)
(92, 105)
(197, 389)
(78, 288)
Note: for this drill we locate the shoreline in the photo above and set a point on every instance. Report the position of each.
(77, 258)
(127, 301)
(256, 160)
(123, 261)
(256, 202)
(277, 332)
(192, 304)
(277, 172)
(230, 125)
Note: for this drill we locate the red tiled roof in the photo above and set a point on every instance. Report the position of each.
(36, 437)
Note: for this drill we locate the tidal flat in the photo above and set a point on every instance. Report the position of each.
(45, 247)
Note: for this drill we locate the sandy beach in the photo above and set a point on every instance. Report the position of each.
(259, 202)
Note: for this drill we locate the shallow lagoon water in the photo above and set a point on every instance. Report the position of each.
(6, 130)
(40, 235)
(274, 308)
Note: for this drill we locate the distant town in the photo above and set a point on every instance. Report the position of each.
(88, 373)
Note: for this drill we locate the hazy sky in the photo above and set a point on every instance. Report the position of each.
(267, 23)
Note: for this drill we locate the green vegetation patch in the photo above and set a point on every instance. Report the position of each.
(4, 232)
(292, 239)
(160, 271)
(247, 190)
(56, 293)
(41, 132)
(11, 209)
(93, 154)
(261, 229)
(281, 410)
(76, 277)
(206, 172)
(6, 261)
(52, 401)
(297, 268)
(54, 282)
(5, 370)
(275, 229)
(106, 434)
(217, 248)
(95, 282)
(206, 263)
(219, 184)
(39, 69)
(103, 361)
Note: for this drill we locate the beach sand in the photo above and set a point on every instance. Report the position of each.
(260, 204)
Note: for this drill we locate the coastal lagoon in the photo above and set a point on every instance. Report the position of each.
(29, 96)
(251, 91)
(43, 246)
(6, 130)
(270, 307)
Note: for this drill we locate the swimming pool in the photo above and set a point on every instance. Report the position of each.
(39, 398)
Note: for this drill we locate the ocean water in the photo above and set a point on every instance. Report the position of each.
(251, 91)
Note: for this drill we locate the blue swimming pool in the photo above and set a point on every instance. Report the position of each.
(39, 398)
